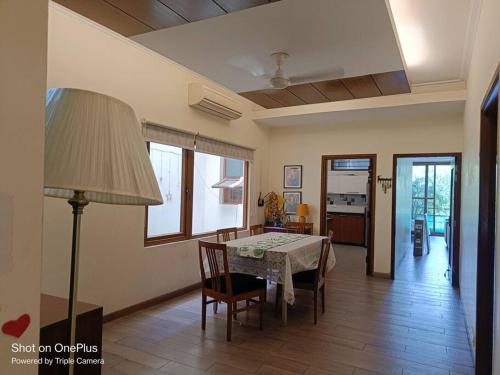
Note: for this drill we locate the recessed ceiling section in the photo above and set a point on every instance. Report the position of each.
(325, 40)
(132, 17)
(436, 37)
(372, 85)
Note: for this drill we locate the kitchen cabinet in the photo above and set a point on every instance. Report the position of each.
(347, 228)
(347, 183)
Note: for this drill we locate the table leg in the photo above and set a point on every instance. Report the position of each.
(284, 307)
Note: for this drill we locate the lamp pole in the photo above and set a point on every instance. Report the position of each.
(78, 202)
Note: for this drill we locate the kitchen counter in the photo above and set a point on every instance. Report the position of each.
(332, 208)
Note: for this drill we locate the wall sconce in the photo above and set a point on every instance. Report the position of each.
(262, 201)
(385, 182)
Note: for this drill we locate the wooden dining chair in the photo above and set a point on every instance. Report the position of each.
(230, 288)
(224, 235)
(256, 229)
(313, 280)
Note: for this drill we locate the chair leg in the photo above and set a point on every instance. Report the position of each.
(235, 307)
(203, 312)
(262, 300)
(323, 299)
(229, 320)
(216, 304)
(277, 299)
(315, 306)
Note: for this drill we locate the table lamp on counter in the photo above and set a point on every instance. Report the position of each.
(302, 212)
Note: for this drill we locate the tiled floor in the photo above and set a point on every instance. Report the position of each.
(413, 325)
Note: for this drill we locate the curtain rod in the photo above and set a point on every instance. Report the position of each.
(194, 134)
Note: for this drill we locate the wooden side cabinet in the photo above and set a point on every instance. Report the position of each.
(347, 228)
(53, 330)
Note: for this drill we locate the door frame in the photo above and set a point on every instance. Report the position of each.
(370, 253)
(455, 267)
(485, 274)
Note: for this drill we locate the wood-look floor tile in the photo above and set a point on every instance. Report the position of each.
(413, 325)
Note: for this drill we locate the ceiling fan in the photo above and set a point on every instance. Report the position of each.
(279, 79)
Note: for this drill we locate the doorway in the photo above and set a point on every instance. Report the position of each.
(426, 217)
(347, 203)
(488, 174)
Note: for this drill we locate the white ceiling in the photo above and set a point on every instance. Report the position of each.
(325, 36)
(436, 37)
(321, 36)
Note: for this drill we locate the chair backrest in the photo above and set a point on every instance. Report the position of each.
(216, 258)
(224, 235)
(256, 229)
(295, 227)
(330, 235)
(323, 258)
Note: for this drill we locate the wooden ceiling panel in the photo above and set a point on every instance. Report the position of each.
(235, 5)
(133, 17)
(261, 99)
(333, 90)
(285, 97)
(107, 15)
(308, 93)
(391, 83)
(194, 10)
(362, 86)
(151, 12)
(371, 85)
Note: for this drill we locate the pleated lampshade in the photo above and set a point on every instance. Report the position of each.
(93, 143)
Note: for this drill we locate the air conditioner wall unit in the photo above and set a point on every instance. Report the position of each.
(214, 102)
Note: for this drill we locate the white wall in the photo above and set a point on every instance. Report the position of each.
(23, 66)
(116, 270)
(403, 245)
(485, 59)
(306, 144)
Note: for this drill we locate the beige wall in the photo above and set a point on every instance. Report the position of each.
(116, 270)
(22, 92)
(485, 59)
(306, 144)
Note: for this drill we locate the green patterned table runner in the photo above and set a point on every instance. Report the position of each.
(259, 248)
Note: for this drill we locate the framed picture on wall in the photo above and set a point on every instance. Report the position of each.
(292, 199)
(292, 177)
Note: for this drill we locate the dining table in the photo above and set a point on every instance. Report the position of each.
(276, 257)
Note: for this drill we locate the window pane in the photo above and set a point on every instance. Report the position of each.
(418, 181)
(430, 181)
(443, 189)
(418, 208)
(167, 164)
(215, 207)
(234, 167)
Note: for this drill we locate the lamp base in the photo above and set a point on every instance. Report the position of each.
(78, 202)
(302, 219)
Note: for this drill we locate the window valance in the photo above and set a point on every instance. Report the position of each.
(194, 141)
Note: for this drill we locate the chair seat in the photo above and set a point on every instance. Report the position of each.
(241, 283)
(307, 277)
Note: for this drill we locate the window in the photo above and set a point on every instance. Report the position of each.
(350, 165)
(215, 179)
(166, 220)
(431, 185)
(201, 193)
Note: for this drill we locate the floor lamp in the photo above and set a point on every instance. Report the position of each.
(94, 152)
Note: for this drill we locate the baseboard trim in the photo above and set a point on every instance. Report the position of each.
(382, 275)
(148, 303)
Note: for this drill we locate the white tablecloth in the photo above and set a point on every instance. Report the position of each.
(279, 263)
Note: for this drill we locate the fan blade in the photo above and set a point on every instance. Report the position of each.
(251, 65)
(320, 76)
